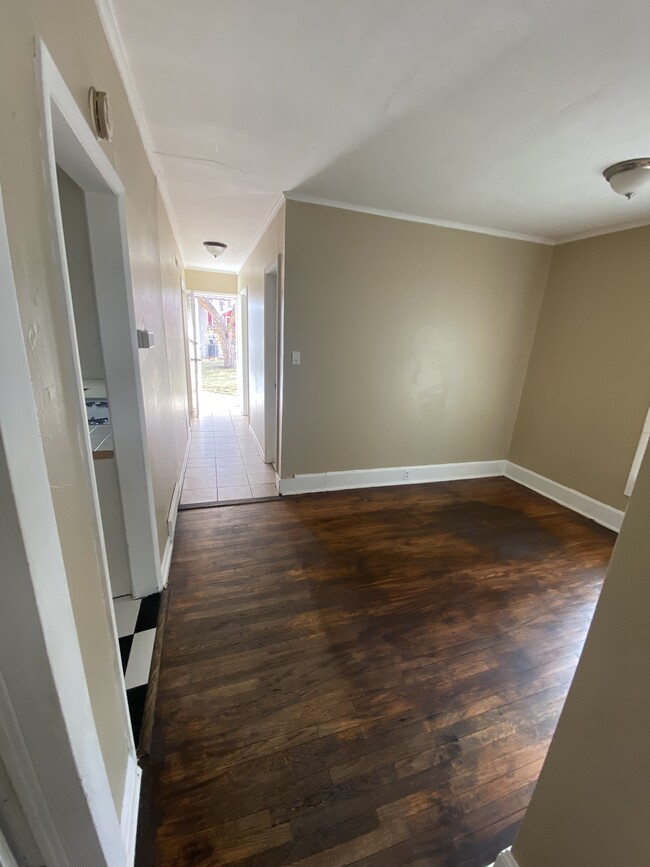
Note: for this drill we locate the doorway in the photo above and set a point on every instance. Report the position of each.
(74, 220)
(65, 741)
(216, 343)
(100, 346)
(53, 777)
(225, 464)
(97, 303)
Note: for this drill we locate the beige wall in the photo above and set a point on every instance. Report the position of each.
(216, 282)
(592, 801)
(163, 370)
(587, 390)
(251, 278)
(72, 31)
(414, 340)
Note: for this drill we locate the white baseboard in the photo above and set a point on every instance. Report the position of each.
(505, 859)
(166, 561)
(172, 515)
(601, 513)
(130, 807)
(257, 443)
(351, 479)
(310, 483)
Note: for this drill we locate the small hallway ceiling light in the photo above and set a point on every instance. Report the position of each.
(628, 177)
(216, 248)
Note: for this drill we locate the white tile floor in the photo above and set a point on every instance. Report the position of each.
(224, 462)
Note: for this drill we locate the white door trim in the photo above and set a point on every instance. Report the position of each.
(638, 457)
(196, 358)
(271, 348)
(279, 362)
(505, 859)
(48, 739)
(68, 141)
(244, 355)
(6, 855)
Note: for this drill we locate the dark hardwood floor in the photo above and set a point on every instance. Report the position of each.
(367, 677)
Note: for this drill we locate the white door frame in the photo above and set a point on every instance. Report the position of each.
(49, 744)
(638, 457)
(196, 358)
(279, 363)
(188, 313)
(271, 366)
(238, 360)
(240, 306)
(6, 855)
(242, 348)
(68, 141)
(16, 838)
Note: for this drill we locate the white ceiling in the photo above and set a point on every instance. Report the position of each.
(497, 114)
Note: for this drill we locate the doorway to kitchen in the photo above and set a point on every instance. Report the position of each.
(95, 310)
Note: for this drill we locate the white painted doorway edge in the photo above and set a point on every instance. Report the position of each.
(505, 859)
(279, 366)
(48, 738)
(242, 348)
(271, 348)
(6, 855)
(68, 141)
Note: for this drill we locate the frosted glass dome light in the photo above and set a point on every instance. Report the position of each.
(628, 177)
(215, 248)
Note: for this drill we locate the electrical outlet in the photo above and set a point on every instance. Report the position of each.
(407, 475)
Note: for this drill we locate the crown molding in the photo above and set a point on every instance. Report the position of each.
(607, 230)
(275, 207)
(116, 46)
(232, 273)
(413, 218)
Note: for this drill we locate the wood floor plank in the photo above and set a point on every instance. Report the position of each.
(368, 677)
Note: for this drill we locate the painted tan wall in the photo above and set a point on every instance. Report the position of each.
(592, 801)
(217, 282)
(587, 390)
(251, 278)
(73, 34)
(414, 340)
(163, 370)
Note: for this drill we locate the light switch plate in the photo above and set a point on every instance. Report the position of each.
(295, 357)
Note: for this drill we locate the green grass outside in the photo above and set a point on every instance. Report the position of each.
(217, 380)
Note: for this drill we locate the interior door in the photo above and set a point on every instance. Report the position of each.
(194, 352)
(271, 366)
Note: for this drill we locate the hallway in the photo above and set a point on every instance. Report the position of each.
(224, 463)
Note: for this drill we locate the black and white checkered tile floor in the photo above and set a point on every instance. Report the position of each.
(136, 628)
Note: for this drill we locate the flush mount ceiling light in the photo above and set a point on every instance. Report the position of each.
(628, 177)
(216, 248)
